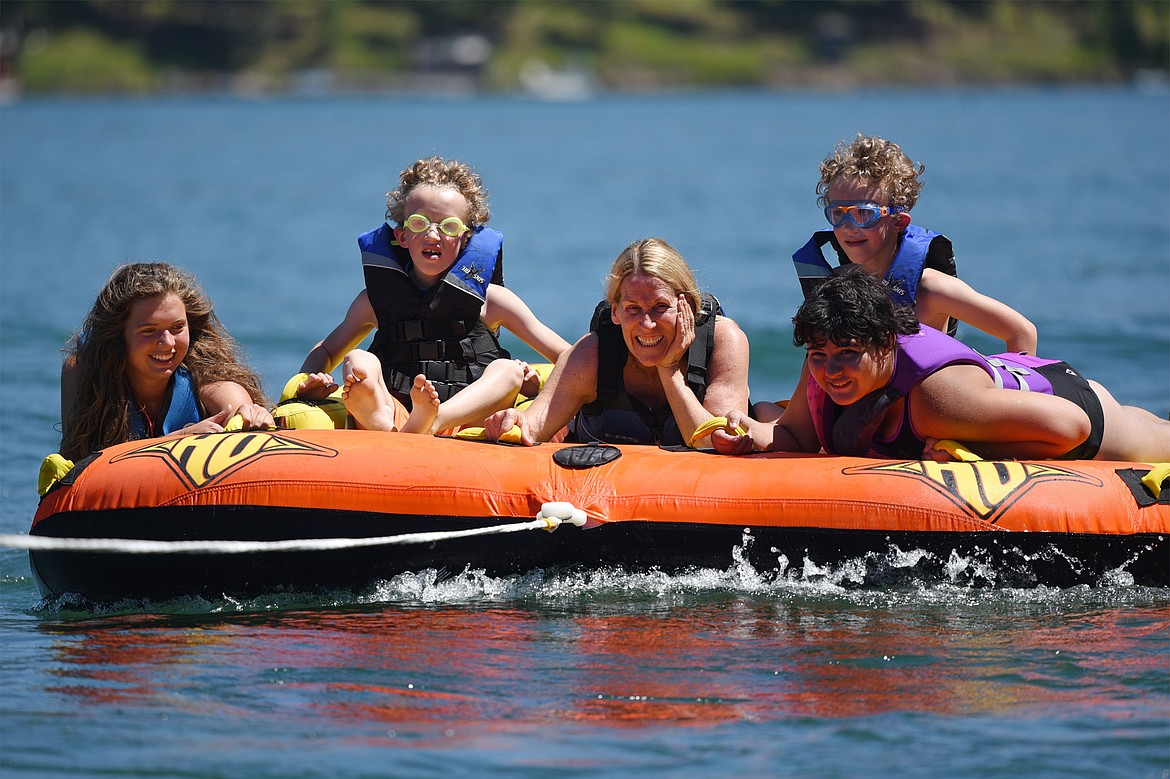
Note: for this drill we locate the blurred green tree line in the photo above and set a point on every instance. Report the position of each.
(142, 46)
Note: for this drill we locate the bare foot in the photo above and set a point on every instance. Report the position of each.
(424, 401)
(367, 400)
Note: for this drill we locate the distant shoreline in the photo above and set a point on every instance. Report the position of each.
(573, 50)
(1155, 83)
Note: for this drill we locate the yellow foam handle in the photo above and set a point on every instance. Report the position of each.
(236, 424)
(480, 434)
(290, 388)
(958, 451)
(1153, 480)
(53, 469)
(716, 423)
(307, 415)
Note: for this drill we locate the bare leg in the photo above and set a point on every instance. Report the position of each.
(1132, 433)
(424, 403)
(495, 389)
(767, 411)
(366, 397)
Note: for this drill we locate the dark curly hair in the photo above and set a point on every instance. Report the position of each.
(851, 307)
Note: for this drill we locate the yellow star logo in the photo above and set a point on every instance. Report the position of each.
(200, 460)
(985, 489)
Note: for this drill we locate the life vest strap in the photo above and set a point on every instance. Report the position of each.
(447, 377)
(426, 329)
(1017, 371)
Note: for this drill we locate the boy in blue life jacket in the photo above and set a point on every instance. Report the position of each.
(867, 189)
(434, 292)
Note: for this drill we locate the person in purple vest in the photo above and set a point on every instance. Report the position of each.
(867, 189)
(434, 293)
(879, 384)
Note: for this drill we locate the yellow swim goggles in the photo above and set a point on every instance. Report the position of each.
(451, 226)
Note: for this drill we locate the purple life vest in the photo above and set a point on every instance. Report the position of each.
(851, 430)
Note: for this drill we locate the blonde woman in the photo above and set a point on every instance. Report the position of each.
(659, 363)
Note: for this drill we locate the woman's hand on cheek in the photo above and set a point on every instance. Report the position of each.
(684, 334)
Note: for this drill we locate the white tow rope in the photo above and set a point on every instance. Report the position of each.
(550, 517)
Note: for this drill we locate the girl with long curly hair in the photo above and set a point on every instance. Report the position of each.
(152, 359)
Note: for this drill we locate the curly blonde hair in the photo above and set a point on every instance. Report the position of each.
(876, 160)
(100, 416)
(653, 257)
(438, 172)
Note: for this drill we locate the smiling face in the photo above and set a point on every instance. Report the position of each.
(871, 247)
(647, 312)
(848, 373)
(432, 252)
(157, 339)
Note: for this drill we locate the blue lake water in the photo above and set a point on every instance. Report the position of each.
(1057, 204)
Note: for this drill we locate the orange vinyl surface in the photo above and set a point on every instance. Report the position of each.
(400, 474)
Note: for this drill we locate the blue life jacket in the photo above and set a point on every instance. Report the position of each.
(914, 254)
(181, 407)
(851, 430)
(436, 332)
(616, 417)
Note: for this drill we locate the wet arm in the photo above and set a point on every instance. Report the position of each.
(961, 403)
(228, 396)
(358, 322)
(727, 381)
(504, 308)
(940, 294)
(794, 431)
(573, 383)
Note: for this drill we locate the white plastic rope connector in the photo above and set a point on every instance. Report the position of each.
(553, 514)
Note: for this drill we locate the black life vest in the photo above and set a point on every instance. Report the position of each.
(436, 332)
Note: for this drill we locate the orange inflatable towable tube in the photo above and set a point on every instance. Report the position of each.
(642, 507)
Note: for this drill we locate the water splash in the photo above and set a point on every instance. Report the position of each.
(891, 574)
